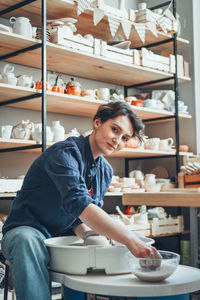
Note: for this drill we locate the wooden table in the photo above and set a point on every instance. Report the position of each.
(173, 198)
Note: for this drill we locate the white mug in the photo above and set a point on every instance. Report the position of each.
(166, 144)
(103, 94)
(5, 131)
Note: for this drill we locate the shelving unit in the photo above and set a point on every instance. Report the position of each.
(96, 67)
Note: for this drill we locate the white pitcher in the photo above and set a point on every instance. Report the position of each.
(22, 26)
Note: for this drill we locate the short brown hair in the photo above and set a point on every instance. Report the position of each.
(113, 110)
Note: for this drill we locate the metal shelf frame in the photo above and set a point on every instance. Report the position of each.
(41, 45)
(176, 89)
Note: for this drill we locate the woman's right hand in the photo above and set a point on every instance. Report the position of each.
(139, 248)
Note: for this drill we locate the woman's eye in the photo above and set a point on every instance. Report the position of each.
(125, 138)
(114, 129)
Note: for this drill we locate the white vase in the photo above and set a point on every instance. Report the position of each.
(58, 131)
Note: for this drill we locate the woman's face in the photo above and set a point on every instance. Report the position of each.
(110, 136)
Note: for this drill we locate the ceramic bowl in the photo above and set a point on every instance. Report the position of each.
(154, 269)
(153, 188)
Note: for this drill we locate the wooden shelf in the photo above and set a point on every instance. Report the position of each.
(71, 105)
(7, 195)
(131, 153)
(169, 234)
(10, 143)
(177, 198)
(95, 67)
(67, 8)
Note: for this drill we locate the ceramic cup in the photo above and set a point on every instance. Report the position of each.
(5, 131)
(103, 94)
(152, 144)
(166, 144)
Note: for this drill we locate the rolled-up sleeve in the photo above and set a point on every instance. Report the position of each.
(64, 170)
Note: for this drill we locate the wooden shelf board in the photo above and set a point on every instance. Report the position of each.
(95, 67)
(134, 152)
(67, 8)
(168, 234)
(7, 195)
(181, 199)
(10, 143)
(69, 104)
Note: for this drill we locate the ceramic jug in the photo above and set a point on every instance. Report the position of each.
(58, 130)
(22, 25)
(37, 133)
(166, 144)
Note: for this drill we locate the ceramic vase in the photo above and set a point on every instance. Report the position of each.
(58, 131)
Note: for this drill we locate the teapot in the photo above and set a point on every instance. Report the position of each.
(26, 81)
(22, 130)
(22, 25)
(73, 87)
(8, 76)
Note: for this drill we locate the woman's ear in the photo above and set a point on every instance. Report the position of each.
(97, 123)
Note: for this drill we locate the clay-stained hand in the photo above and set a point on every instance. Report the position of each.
(139, 248)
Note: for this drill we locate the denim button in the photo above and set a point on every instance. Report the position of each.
(89, 175)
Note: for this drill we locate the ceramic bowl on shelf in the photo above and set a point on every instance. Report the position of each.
(154, 269)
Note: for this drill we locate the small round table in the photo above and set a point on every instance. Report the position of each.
(183, 281)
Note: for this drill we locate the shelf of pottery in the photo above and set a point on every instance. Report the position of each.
(101, 37)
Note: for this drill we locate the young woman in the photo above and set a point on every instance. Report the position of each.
(62, 193)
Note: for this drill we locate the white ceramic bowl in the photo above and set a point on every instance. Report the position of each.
(148, 269)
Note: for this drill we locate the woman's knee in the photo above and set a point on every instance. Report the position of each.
(25, 240)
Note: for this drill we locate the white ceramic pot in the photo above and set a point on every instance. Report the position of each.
(69, 255)
(5, 131)
(58, 130)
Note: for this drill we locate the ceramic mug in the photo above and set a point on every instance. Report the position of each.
(166, 144)
(152, 144)
(103, 94)
(5, 131)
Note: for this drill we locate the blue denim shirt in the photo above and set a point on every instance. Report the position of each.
(55, 189)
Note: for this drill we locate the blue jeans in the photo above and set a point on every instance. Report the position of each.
(25, 249)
